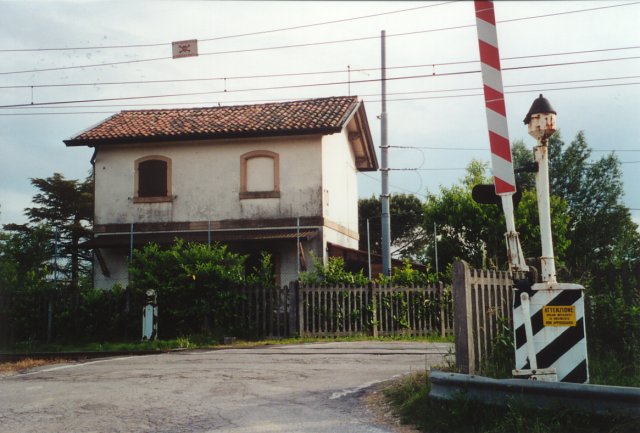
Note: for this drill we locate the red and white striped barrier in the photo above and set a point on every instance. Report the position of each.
(501, 161)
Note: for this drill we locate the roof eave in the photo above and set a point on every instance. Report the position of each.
(195, 137)
(368, 161)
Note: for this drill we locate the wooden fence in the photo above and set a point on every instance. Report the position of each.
(264, 312)
(275, 312)
(68, 316)
(481, 298)
(374, 310)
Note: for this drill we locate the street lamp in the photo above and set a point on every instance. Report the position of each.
(541, 123)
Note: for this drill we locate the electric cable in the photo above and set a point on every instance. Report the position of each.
(294, 74)
(309, 44)
(225, 91)
(217, 38)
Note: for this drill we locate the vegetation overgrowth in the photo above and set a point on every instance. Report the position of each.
(194, 342)
(410, 399)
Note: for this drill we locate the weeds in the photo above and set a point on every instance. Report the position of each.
(410, 398)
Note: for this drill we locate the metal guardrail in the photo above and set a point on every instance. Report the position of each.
(593, 398)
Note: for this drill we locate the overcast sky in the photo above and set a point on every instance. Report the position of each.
(435, 104)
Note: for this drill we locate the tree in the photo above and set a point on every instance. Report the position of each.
(66, 207)
(601, 230)
(522, 159)
(25, 259)
(475, 233)
(407, 233)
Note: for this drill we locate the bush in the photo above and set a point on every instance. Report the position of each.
(197, 285)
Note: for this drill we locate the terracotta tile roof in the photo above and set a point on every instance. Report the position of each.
(325, 115)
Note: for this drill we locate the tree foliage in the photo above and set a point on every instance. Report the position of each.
(335, 274)
(407, 232)
(601, 230)
(65, 206)
(25, 260)
(475, 232)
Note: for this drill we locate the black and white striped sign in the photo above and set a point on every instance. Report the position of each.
(559, 334)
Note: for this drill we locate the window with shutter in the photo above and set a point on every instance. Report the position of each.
(152, 179)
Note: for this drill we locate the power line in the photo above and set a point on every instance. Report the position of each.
(361, 95)
(217, 38)
(554, 14)
(506, 92)
(36, 105)
(292, 74)
(311, 43)
(393, 186)
(464, 168)
(483, 149)
(429, 169)
(33, 104)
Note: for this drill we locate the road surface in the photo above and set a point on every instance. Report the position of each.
(312, 388)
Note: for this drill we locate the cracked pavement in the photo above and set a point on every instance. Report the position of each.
(291, 388)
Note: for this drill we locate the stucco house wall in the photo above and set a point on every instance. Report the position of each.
(205, 181)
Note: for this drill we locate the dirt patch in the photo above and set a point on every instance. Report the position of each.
(11, 368)
(382, 411)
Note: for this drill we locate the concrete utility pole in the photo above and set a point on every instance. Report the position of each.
(384, 169)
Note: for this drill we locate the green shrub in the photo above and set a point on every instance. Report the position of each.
(197, 285)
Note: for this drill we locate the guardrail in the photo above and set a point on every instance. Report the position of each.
(593, 398)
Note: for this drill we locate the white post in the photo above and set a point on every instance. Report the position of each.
(298, 246)
(541, 124)
(368, 249)
(435, 245)
(547, 263)
(516, 257)
(528, 330)
(131, 243)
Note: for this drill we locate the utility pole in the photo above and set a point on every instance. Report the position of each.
(384, 169)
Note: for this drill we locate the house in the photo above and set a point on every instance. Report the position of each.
(277, 177)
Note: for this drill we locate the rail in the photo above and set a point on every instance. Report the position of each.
(545, 395)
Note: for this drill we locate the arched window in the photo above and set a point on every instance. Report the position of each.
(259, 175)
(152, 179)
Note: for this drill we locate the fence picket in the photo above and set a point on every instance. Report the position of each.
(274, 312)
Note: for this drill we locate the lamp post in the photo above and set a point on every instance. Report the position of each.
(541, 123)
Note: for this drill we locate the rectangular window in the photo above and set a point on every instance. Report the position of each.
(152, 180)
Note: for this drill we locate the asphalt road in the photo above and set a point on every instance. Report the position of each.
(294, 388)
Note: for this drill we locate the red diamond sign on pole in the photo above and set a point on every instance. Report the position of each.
(185, 48)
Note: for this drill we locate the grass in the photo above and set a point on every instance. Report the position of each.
(197, 342)
(606, 369)
(7, 368)
(191, 342)
(410, 398)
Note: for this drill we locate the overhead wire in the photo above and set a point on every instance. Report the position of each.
(297, 86)
(482, 148)
(312, 43)
(217, 38)
(292, 74)
(44, 104)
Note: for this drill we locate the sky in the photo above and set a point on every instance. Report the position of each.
(67, 65)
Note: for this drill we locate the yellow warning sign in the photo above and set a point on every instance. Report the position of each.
(559, 315)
